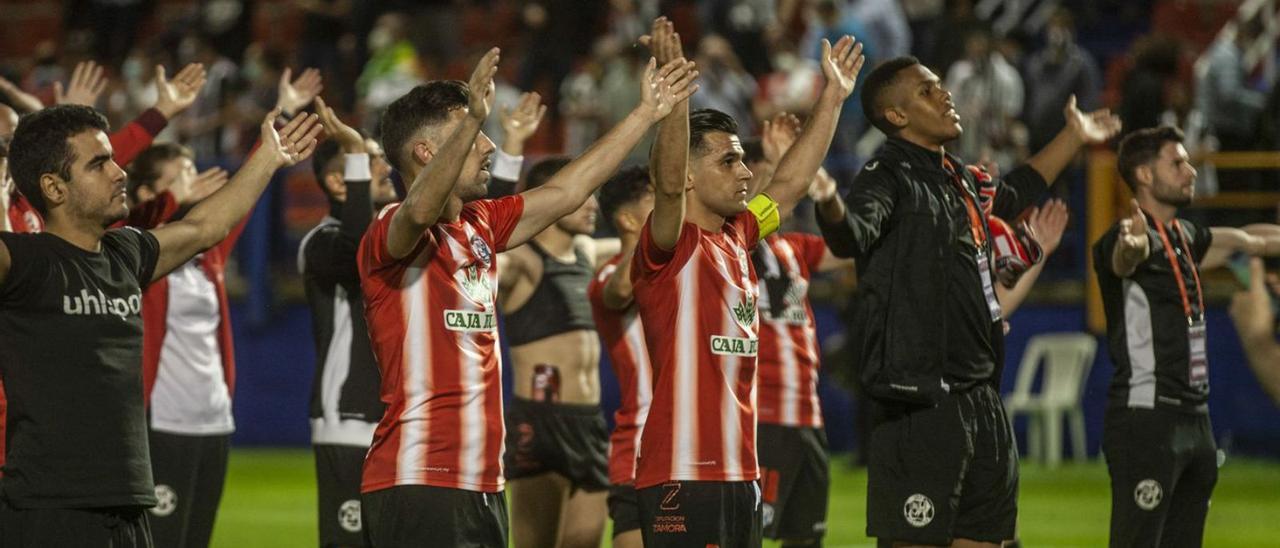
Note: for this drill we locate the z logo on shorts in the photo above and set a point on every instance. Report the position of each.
(349, 516)
(1148, 494)
(166, 501)
(918, 510)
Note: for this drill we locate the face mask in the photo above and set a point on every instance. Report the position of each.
(132, 69)
(379, 38)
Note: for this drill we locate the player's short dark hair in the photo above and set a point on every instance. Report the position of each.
(424, 106)
(145, 169)
(626, 186)
(41, 145)
(544, 170)
(875, 91)
(705, 121)
(1141, 147)
(752, 150)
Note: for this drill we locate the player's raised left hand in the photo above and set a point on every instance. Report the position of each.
(1091, 128)
(293, 143)
(841, 64)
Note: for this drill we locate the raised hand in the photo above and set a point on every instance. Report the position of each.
(663, 88)
(841, 65)
(176, 95)
(1048, 222)
(293, 96)
(663, 41)
(521, 122)
(87, 84)
(192, 188)
(347, 137)
(293, 143)
(1133, 229)
(778, 135)
(823, 187)
(481, 84)
(20, 100)
(1091, 128)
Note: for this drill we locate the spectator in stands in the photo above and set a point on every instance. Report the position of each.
(987, 92)
(1055, 73)
(948, 36)
(748, 25)
(1145, 92)
(725, 85)
(393, 67)
(1223, 95)
(886, 24)
(1254, 316)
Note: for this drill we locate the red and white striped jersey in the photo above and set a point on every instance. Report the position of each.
(432, 322)
(623, 336)
(698, 306)
(789, 356)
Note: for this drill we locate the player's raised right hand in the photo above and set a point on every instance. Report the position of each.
(481, 84)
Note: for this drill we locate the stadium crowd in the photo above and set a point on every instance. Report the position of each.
(735, 150)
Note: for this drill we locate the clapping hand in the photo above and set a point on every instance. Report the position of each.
(293, 96)
(662, 89)
(292, 143)
(87, 84)
(176, 95)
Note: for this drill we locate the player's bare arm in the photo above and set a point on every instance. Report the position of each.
(1259, 240)
(429, 193)
(569, 188)
(1082, 129)
(794, 175)
(669, 161)
(209, 222)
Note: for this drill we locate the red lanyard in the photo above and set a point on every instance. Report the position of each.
(1177, 270)
(976, 225)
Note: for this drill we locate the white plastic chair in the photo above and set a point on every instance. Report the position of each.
(1067, 358)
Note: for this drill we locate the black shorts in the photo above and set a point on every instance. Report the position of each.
(124, 527)
(570, 440)
(794, 481)
(940, 473)
(624, 508)
(1163, 465)
(700, 513)
(338, 473)
(420, 515)
(189, 472)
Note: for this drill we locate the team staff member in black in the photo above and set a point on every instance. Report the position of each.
(345, 405)
(1157, 438)
(78, 471)
(928, 334)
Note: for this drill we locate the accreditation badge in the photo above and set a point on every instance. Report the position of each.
(1197, 358)
(988, 290)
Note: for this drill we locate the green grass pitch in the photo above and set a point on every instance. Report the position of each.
(269, 501)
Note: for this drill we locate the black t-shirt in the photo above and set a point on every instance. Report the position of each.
(970, 355)
(71, 341)
(1146, 323)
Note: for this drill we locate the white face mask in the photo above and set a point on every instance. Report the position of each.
(379, 38)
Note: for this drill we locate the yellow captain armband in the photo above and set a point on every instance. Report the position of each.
(766, 212)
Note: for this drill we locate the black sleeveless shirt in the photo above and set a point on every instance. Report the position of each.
(558, 304)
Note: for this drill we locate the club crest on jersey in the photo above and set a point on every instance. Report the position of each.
(481, 250)
(734, 346)
(475, 284)
(745, 312)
